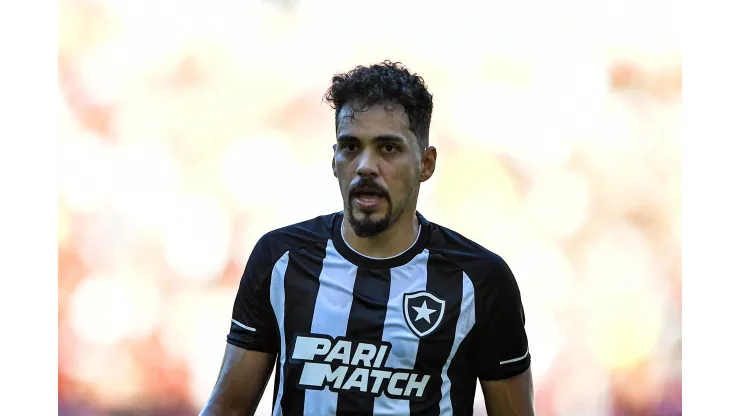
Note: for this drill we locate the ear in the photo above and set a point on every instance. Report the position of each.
(428, 163)
(334, 161)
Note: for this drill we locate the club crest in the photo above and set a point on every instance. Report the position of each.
(423, 312)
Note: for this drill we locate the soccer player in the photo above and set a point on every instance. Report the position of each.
(375, 310)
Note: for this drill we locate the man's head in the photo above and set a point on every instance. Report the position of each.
(382, 118)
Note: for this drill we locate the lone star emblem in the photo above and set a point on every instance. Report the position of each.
(423, 312)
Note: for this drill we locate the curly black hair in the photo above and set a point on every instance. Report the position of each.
(384, 83)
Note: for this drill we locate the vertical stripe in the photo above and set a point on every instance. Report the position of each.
(445, 281)
(277, 299)
(409, 278)
(301, 286)
(366, 320)
(465, 323)
(333, 304)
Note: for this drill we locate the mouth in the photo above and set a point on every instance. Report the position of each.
(368, 199)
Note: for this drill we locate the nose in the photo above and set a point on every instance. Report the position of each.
(367, 165)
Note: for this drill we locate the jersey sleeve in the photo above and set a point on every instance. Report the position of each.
(253, 323)
(501, 346)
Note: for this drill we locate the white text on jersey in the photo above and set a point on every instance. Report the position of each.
(359, 367)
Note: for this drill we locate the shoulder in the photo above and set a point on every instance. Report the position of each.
(299, 235)
(274, 244)
(481, 265)
(492, 279)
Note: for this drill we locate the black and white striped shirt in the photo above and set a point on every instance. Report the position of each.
(406, 335)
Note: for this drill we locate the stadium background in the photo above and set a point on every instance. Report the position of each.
(190, 128)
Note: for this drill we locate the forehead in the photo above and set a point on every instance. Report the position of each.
(378, 120)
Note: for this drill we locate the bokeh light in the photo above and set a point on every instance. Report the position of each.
(197, 238)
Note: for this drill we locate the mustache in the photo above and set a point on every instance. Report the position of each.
(367, 186)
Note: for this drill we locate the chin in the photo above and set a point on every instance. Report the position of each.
(374, 213)
(369, 215)
(366, 224)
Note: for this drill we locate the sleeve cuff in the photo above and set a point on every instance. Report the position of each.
(509, 371)
(250, 345)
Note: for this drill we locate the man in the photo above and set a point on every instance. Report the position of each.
(375, 310)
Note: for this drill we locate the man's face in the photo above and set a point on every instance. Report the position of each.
(379, 165)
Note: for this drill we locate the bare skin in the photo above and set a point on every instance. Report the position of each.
(510, 397)
(378, 146)
(241, 382)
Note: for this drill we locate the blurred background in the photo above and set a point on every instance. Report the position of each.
(191, 128)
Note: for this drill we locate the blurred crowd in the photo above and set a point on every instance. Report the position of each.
(191, 128)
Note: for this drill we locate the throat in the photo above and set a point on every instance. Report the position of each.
(392, 242)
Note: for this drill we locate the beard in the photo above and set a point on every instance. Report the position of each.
(367, 226)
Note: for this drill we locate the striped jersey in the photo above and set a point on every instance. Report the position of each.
(354, 335)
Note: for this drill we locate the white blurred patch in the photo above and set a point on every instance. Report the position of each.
(147, 186)
(110, 374)
(108, 308)
(624, 295)
(619, 258)
(583, 392)
(105, 242)
(206, 340)
(545, 341)
(85, 173)
(559, 202)
(197, 238)
(263, 222)
(315, 192)
(140, 119)
(261, 172)
(178, 314)
(544, 274)
(64, 225)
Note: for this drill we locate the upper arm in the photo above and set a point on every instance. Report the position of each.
(253, 340)
(501, 346)
(510, 397)
(241, 382)
(253, 323)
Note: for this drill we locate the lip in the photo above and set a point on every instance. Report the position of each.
(368, 201)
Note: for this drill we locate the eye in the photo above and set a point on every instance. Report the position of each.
(389, 148)
(348, 147)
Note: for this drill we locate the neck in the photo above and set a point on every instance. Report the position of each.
(399, 237)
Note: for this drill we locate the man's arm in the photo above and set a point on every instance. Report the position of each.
(252, 343)
(501, 346)
(241, 382)
(510, 397)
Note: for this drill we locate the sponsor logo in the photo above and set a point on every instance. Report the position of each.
(344, 365)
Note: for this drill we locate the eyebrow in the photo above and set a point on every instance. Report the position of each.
(386, 138)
